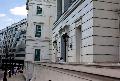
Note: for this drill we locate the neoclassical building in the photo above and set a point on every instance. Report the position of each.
(87, 31)
(85, 34)
(41, 16)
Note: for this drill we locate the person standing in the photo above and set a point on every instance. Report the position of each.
(4, 79)
(15, 70)
(9, 72)
(5, 76)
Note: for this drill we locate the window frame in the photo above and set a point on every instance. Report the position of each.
(37, 56)
(38, 30)
(37, 10)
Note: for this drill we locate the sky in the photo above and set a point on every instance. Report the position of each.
(11, 11)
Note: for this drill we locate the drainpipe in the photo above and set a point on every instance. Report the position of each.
(119, 35)
(118, 13)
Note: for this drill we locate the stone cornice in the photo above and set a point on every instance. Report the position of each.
(68, 12)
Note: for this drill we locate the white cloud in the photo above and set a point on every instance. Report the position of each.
(2, 15)
(5, 21)
(21, 11)
(10, 20)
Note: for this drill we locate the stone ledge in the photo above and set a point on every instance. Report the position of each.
(109, 70)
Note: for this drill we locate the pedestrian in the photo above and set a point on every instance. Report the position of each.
(9, 73)
(13, 71)
(5, 75)
(17, 69)
(4, 79)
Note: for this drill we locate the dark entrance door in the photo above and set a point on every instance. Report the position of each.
(64, 40)
(63, 48)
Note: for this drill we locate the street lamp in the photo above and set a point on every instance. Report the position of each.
(55, 44)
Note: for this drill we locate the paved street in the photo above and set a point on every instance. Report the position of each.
(18, 77)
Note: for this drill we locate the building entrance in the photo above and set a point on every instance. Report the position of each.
(64, 40)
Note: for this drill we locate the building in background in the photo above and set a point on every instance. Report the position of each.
(1, 39)
(12, 44)
(41, 16)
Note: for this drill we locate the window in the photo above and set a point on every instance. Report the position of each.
(37, 55)
(16, 29)
(39, 10)
(20, 55)
(21, 49)
(17, 39)
(38, 31)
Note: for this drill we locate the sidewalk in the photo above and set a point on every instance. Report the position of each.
(17, 77)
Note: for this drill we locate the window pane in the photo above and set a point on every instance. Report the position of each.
(39, 10)
(38, 31)
(20, 55)
(38, 34)
(38, 27)
(37, 55)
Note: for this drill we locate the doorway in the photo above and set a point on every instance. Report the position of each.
(64, 39)
(78, 44)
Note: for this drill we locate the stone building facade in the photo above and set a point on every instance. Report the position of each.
(41, 16)
(87, 31)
